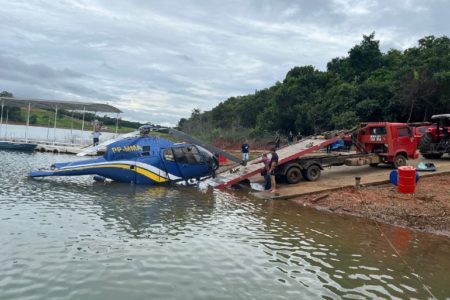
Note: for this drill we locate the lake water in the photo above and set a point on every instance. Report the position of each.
(69, 238)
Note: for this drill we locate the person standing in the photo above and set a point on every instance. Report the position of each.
(265, 172)
(273, 166)
(299, 136)
(277, 141)
(245, 149)
(96, 137)
(290, 138)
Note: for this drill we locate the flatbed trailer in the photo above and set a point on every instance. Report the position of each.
(375, 143)
(309, 167)
(238, 173)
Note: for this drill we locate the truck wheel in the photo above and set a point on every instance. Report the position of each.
(399, 161)
(293, 175)
(312, 173)
(374, 165)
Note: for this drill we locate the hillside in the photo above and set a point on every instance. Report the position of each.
(367, 85)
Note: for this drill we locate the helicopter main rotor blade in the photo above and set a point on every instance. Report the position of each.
(94, 149)
(183, 136)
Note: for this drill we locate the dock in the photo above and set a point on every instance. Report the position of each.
(68, 148)
(48, 146)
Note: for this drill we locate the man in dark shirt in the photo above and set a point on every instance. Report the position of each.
(245, 151)
(290, 138)
(277, 141)
(273, 164)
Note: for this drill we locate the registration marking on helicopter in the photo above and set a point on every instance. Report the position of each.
(130, 148)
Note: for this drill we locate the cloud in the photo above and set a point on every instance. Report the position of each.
(158, 60)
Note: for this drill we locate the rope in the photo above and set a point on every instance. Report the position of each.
(411, 269)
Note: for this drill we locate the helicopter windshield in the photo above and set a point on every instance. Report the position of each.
(187, 155)
(204, 152)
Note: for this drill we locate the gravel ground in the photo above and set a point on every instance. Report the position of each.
(427, 210)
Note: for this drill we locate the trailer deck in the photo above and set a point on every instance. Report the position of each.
(305, 146)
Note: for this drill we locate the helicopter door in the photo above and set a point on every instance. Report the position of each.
(170, 165)
(189, 162)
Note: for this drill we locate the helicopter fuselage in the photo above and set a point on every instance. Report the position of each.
(142, 160)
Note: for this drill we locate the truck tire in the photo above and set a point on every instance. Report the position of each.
(374, 165)
(293, 175)
(312, 173)
(399, 161)
(425, 143)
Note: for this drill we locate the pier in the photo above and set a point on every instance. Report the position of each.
(51, 143)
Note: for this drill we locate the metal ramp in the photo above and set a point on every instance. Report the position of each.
(301, 148)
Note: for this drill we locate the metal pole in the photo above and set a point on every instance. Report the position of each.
(82, 124)
(28, 123)
(71, 129)
(54, 128)
(6, 123)
(1, 119)
(48, 124)
(117, 123)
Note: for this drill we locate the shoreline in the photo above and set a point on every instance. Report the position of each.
(428, 210)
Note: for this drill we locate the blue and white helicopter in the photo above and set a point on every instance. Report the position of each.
(145, 159)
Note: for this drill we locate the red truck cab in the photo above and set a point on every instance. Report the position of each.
(394, 143)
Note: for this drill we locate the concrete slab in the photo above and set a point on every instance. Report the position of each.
(335, 178)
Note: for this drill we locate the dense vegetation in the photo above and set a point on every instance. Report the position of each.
(65, 119)
(367, 85)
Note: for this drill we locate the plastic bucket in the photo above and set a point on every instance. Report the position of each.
(406, 180)
(393, 177)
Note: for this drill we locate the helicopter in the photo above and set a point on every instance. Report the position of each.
(142, 158)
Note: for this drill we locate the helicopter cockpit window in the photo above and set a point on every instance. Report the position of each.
(187, 155)
(146, 150)
(168, 155)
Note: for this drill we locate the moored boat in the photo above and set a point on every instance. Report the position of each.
(18, 146)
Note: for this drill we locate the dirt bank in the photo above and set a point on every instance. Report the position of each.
(428, 210)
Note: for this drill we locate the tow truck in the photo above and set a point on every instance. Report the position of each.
(374, 143)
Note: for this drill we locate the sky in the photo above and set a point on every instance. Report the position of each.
(159, 60)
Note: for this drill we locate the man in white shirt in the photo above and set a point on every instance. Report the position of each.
(96, 135)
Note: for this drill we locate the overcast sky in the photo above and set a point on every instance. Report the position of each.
(158, 60)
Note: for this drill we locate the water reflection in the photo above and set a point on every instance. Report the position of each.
(72, 238)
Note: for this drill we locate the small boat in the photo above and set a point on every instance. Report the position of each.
(18, 146)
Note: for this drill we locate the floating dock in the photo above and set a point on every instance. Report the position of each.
(60, 147)
(44, 146)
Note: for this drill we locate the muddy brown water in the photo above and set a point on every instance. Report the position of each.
(68, 238)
